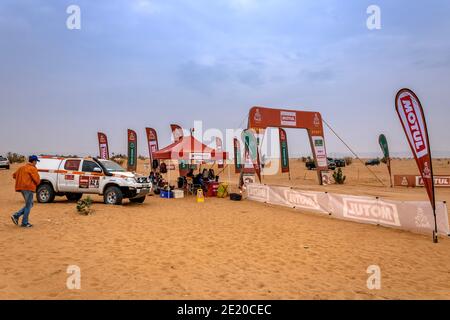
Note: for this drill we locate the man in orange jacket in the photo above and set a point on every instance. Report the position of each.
(27, 179)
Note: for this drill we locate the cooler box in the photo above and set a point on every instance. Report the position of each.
(166, 194)
(212, 189)
(178, 194)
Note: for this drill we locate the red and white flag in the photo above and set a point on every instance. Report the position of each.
(152, 139)
(103, 146)
(412, 117)
(177, 132)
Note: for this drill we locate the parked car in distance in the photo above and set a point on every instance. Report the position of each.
(340, 163)
(311, 165)
(373, 162)
(4, 163)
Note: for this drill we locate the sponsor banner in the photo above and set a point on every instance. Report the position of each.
(412, 117)
(132, 151)
(284, 151)
(219, 147)
(318, 144)
(103, 146)
(200, 156)
(177, 132)
(413, 181)
(414, 216)
(237, 156)
(152, 140)
(288, 118)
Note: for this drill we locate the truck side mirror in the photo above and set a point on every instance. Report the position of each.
(97, 169)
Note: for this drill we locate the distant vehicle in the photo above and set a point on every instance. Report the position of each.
(4, 163)
(331, 164)
(373, 162)
(311, 165)
(340, 163)
(73, 177)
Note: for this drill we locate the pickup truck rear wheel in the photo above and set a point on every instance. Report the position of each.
(138, 200)
(74, 196)
(45, 193)
(113, 196)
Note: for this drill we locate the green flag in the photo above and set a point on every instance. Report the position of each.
(384, 146)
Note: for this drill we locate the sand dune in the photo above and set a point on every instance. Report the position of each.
(178, 249)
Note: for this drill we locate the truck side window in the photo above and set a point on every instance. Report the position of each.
(72, 165)
(88, 166)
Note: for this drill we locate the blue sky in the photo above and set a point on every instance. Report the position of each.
(140, 63)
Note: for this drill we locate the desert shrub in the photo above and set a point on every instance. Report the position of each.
(384, 160)
(84, 206)
(304, 159)
(142, 158)
(15, 158)
(348, 160)
(339, 176)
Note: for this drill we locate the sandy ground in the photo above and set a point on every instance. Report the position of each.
(178, 249)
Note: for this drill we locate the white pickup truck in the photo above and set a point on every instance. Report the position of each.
(73, 177)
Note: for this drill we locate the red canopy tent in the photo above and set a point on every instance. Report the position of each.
(189, 148)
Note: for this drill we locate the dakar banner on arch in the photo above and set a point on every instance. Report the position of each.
(263, 118)
(103, 146)
(132, 151)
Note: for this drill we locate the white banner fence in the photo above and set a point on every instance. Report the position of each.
(414, 216)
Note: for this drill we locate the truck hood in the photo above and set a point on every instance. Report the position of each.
(128, 174)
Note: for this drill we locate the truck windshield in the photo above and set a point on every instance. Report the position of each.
(111, 166)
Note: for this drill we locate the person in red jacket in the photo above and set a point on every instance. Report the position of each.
(27, 179)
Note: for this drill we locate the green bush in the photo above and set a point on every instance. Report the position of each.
(339, 176)
(84, 206)
(15, 158)
(348, 160)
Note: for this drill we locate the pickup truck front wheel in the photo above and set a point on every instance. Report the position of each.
(45, 193)
(113, 196)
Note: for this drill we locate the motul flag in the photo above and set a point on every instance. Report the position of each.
(152, 139)
(103, 146)
(177, 132)
(219, 150)
(237, 156)
(284, 152)
(132, 151)
(412, 117)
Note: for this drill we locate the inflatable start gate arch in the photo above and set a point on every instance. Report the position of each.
(262, 118)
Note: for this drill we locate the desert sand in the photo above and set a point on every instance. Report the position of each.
(179, 249)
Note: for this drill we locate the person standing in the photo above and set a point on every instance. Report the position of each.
(27, 179)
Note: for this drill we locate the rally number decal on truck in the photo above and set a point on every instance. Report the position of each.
(87, 182)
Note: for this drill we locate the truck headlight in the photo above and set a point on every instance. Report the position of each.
(131, 180)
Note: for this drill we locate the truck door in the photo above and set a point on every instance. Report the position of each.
(90, 179)
(68, 181)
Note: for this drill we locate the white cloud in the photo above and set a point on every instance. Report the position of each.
(145, 6)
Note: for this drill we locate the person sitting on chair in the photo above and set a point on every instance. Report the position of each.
(211, 175)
